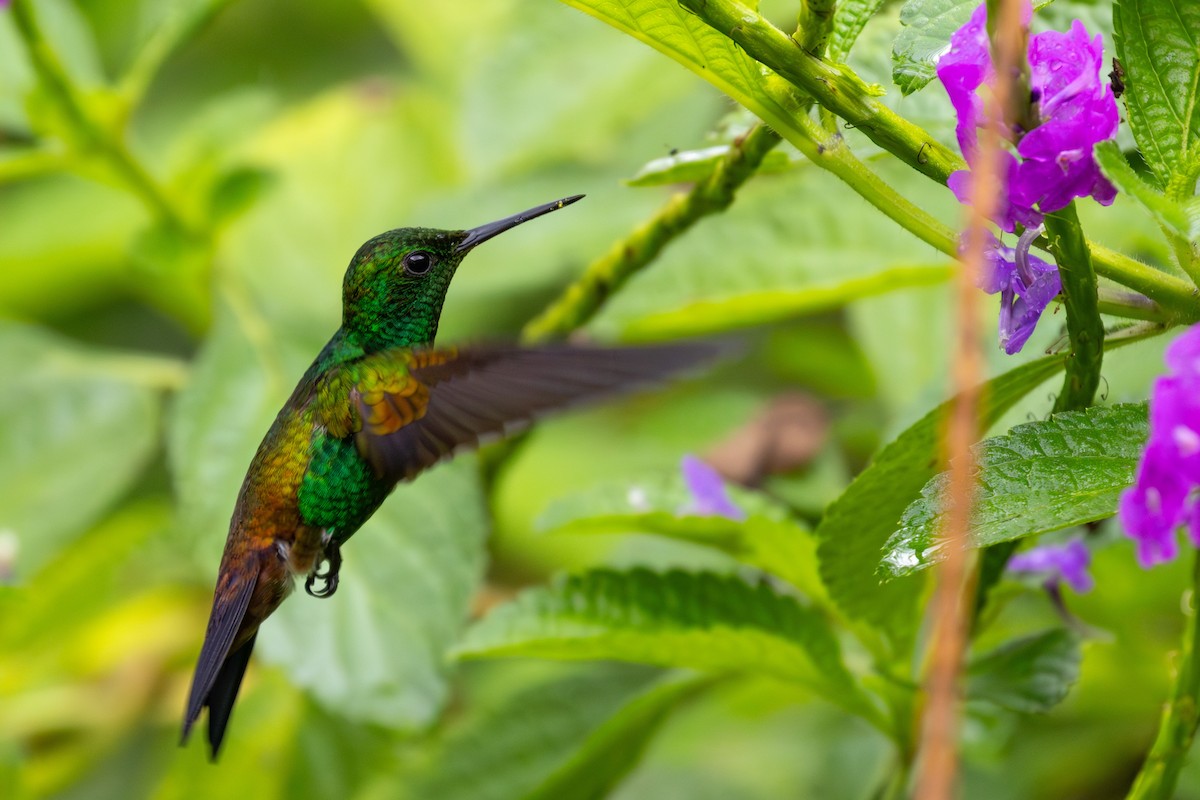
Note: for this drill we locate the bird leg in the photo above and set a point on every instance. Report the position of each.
(332, 558)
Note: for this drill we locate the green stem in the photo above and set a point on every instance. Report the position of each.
(155, 372)
(31, 164)
(608, 273)
(1160, 772)
(1182, 189)
(1080, 296)
(829, 151)
(1130, 305)
(94, 136)
(836, 88)
(1178, 298)
(833, 86)
(814, 25)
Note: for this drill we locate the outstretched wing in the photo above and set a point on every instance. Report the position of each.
(442, 400)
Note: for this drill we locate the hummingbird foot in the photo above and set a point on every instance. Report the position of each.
(332, 560)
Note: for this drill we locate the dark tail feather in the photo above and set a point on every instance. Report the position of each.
(214, 669)
(224, 692)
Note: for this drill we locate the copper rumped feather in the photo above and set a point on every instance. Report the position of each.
(379, 405)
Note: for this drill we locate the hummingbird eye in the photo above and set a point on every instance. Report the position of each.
(417, 262)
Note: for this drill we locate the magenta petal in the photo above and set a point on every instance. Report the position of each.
(1021, 306)
(1028, 306)
(1154, 506)
(1175, 423)
(1075, 108)
(709, 498)
(962, 70)
(1067, 562)
(1183, 354)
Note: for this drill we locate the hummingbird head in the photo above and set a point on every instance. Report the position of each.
(396, 283)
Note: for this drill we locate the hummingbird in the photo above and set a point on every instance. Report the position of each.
(380, 404)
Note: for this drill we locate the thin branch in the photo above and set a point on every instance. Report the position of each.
(837, 88)
(94, 136)
(1080, 296)
(1160, 772)
(951, 609)
(607, 274)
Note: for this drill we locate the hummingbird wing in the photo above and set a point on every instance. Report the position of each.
(450, 399)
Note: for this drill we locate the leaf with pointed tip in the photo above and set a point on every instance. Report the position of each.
(572, 733)
(928, 27)
(615, 747)
(856, 526)
(1182, 219)
(692, 166)
(768, 538)
(1029, 675)
(685, 38)
(1158, 43)
(850, 17)
(1041, 476)
(677, 619)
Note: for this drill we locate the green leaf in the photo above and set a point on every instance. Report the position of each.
(582, 729)
(76, 430)
(1041, 476)
(1179, 218)
(850, 17)
(1029, 675)
(857, 525)
(928, 27)
(691, 166)
(375, 651)
(1158, 42)
(235, 191)
(616, 747)
(565, 113)
(335, 756)
(686, 39)
(675, 619)
(690, 293)
(768, 538)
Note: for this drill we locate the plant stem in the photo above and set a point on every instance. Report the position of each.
(580, 301)
(1160, 772)
(829, 151)
(814, 26)
(833, 86)
(1080, 296)
(32, 163)
(1130, 305)
(94, 136)
(1178, 298)
(837, 88)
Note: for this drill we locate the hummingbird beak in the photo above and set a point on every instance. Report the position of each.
(477, 236)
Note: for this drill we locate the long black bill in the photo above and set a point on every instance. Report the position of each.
(477, 236)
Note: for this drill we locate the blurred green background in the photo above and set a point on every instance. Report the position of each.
(149, 331)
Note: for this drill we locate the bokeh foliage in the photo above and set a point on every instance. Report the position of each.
(175, 217)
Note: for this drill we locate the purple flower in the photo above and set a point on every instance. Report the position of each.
(1026, 285)
(1057, 562)
(1162, 497)
(709, 498)
(1074, 108)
